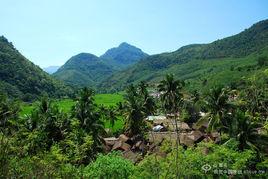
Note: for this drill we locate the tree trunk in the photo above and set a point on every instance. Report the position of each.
(177, 144)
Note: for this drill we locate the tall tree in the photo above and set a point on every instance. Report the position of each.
(218, 106)
(8, 113)
(133, 112)
(171, 93)
(247, 132)
(49, 120)
(255, 95)
(172, 99)
(149, 104)
(90, 120)
(111, 114)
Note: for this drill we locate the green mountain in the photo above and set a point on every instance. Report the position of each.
(86, 69)
(223, 61)
(20, 78)
(123, 55)
(83, 69)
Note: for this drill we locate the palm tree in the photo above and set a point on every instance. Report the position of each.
(38, 118)
(90, 120)
(217, 105)
(84, 109)
(191, 108)
(133, 112)
(142, 89)
(171, 96)
(112, 115)
(172, 99)
(8, 112)
(148, 102)
(44, 106)
(246, 131)
(256, 96)
(49, 120)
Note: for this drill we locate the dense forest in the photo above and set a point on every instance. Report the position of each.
(49, 143)
(122, 56)
(223, 61)
(86, 69)
(83, 69)
(20, 78)
(198, 112)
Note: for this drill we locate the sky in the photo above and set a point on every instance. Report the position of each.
(50, 32)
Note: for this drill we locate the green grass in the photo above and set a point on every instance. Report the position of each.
(108, 99)
(26, 109)
(66, 105)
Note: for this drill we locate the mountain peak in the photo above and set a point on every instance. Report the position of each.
(187, 63)
(85, 56)
(83, 69)
(125, 44)
(123, 55)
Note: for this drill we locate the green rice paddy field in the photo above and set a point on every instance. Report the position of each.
(100, 99)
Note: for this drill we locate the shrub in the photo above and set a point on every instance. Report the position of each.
(112, 166)
(192, 160)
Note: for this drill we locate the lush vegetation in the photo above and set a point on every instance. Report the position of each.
(19, 78)
(86, 69)
(83, 69)
(224, 61)
(122, 56)
(118, 167)
(219, 90)
(48, 135)
(65, 105)
(51, 142)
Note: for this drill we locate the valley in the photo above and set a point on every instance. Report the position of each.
(190, 113)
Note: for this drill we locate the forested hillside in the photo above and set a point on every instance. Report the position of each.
(83, 69)
(86, 69)
(223, 61)
(124, 55)
(20, 78)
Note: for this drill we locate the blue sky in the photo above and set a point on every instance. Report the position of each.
(50, 32)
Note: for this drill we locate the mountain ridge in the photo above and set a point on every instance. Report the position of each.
(83, 69)
(20, 78)
(241, 45)
(86, 69)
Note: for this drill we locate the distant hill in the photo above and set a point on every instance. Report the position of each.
(84, 69)
(51, 69)
(222, 61)
(20, 78)
(123, 55)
